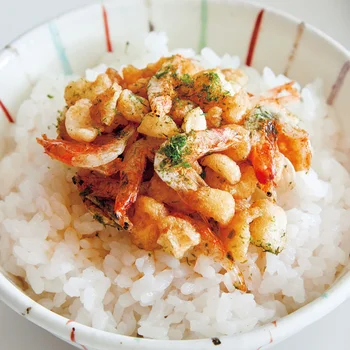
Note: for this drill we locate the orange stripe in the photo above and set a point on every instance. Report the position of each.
(338, 83)
(6, 112)
(106, 25)
(300, 31)
(254, 38)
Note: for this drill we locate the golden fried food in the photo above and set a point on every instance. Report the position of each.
(183, 158)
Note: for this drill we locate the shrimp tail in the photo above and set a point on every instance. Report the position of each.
(134, 165)
(263, 154)
(212, 246)
(102, 151)
(98, 196)
(262, 158)
(60, 149)
(126, 197)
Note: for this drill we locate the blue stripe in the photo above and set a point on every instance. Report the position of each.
(61, 52)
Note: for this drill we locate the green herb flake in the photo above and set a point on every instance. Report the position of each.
(50, 96)
(183, 165)
(98, 131)
(87, 190)
(258, 119)
(187, 80)
(209, 91)
(175, 150)
(98, 218)
(161, 73)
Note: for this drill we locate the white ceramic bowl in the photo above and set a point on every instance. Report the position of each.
(261, 37)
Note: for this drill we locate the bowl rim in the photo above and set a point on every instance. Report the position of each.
(288, 325)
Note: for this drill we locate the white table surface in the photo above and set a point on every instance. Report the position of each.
(331, 16)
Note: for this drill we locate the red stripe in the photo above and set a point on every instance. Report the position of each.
(254, 38)
(106, 25)
(6, 112)
(338, 83)
(299, 34)
(72, 337)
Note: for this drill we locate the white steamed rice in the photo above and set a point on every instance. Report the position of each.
(107, 283)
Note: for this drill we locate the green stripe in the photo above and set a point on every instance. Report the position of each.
(204, 25)
(61, 51)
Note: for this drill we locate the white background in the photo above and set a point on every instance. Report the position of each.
(331, 16)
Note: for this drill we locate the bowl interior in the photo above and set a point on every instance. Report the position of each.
(260, 37)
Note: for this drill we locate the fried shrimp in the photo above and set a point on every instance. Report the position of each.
(274, 131)
(241, 190)
(180, 108)
(145, 230)
(173, 164)
(268, 230)
(132, 107)
(78, 122)
(105, 149)
(184, 159)
(236, 236)
(160, 191)
(207, 88)
(103, 109)
(154, 227)
(132, 74)
(214, 117)
(130, 180)
(161, 87)
(224, 166)
(173, 161)
(76, 90)
(211, 245)
(194, 120)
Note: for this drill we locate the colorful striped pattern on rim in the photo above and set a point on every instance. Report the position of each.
(202, 42)
(253, 29)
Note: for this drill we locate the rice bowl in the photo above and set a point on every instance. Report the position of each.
(301, 273)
